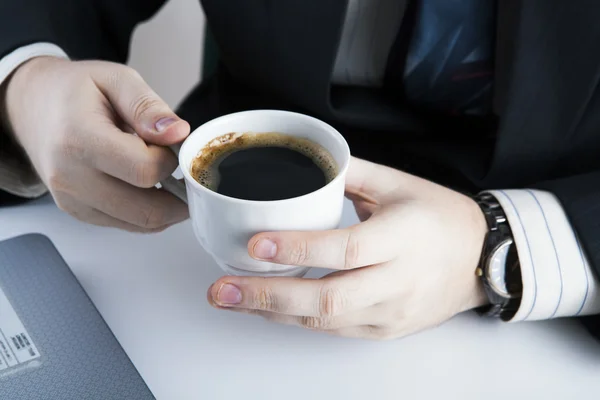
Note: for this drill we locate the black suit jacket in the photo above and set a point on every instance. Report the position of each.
(280, 54)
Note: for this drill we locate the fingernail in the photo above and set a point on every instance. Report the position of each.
(265, 249)
(229, 294)
(163, 123)
(209, 296)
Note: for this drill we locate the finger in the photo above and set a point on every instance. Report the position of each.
(334, 326)
(92, 216)
(138, 105)
(364, 208)
(375, 183)
(104, 147)
(371, 332)
(328, 297)
(209, 297)
(370, 181)
(371, 242)
(312, 323)
(98, 218)
(145, 208)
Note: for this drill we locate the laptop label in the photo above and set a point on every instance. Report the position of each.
(16, 346)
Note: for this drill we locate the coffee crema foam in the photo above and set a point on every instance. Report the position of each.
(205, 166)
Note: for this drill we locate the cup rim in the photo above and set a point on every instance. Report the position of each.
(197, 186)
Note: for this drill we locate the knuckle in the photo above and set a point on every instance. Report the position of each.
(299, 254)
(130, 72)
(145, 174)
(57, 182)
(115, 74)
(142, 105)
(315, 323)
(62, 204)
(332, 302)
(70, 145)
(151, 230)
(78, 214)
(114, 78)
(66, 204)
(265, 299)
(384, 335)
(351, 252)
(154, 218)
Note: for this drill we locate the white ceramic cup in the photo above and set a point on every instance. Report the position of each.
(224, 225)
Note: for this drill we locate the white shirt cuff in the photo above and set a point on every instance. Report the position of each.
(557, 278)
(11, 61)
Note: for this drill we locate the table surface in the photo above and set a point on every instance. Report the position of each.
(151, 290)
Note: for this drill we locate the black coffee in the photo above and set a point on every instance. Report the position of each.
(263, 166)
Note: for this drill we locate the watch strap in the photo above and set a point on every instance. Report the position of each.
(498, 232)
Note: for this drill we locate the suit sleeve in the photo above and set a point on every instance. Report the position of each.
(84, 29)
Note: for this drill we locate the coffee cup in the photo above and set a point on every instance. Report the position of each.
(223, 225)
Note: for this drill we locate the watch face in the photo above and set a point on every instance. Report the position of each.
(499, 268)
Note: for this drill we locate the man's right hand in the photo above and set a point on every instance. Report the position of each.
(76, 121)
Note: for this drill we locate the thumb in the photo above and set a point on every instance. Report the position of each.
(138, 105)
(371, 242)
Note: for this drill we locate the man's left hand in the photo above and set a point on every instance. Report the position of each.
(408, 266)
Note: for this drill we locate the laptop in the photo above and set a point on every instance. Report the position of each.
(53, 342)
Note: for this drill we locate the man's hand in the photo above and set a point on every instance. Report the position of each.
(408, 266)
(76, 121)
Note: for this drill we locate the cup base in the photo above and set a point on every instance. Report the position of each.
(297, 272)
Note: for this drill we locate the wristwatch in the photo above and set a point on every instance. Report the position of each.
(499, 268)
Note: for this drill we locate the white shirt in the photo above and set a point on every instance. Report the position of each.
(369, 31)
(557, 278)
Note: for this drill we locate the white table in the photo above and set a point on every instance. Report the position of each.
(185, 349)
